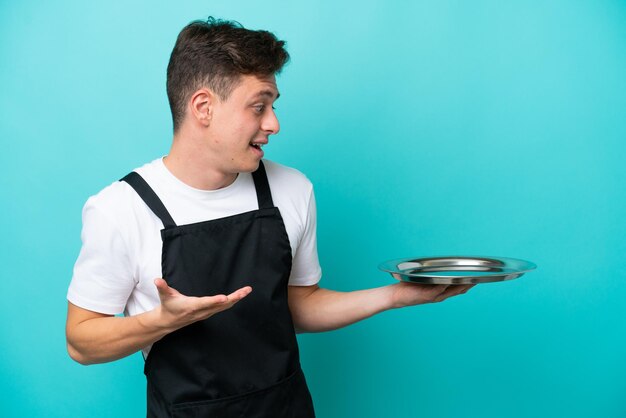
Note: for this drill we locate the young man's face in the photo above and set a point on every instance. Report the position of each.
(242, 124)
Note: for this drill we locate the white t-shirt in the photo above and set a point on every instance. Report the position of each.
(121, 252)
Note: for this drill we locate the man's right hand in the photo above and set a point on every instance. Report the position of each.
(94, 337)
(177, 310)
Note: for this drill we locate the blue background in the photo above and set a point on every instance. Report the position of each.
(428, 128)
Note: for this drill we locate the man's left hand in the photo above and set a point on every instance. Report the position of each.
(408, 294)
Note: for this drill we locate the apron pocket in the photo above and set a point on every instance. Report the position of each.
(288, 398)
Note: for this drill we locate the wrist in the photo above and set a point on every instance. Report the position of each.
(155, 322)
(389, 298)
(397, 296)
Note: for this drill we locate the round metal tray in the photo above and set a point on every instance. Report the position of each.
(456, 269)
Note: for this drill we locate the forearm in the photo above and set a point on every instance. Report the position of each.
(314, 309)
(97, 338)
(325, 310)
(107, 338)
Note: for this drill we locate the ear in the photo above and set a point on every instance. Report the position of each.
(201, 106)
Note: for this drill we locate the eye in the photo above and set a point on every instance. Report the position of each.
(260, 108)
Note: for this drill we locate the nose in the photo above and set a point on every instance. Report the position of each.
(270, 123)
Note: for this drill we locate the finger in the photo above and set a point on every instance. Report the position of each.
(454, 291)
(230, 300)
(210, 305)
(440, 289)
(239, 294)
(468, 287)
(465, 288)
(164, 290)
(208, 302)
(431, 292)
(224, 301)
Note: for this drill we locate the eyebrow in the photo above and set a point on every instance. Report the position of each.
(268, 93)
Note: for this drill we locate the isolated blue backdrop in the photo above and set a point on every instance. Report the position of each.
(429, 128)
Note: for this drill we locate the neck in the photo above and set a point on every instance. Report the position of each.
(189, 164)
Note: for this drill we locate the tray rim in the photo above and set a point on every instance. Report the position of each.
(458, 279)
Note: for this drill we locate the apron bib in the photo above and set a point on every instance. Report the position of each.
(242, 362)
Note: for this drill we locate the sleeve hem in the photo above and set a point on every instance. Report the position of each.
(305, 281)
(90, 305)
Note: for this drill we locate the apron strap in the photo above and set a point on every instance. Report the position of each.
(151, 199)
(262, 186)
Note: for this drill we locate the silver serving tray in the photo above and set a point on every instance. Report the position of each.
(456, 269)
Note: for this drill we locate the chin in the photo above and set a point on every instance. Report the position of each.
(250, 167)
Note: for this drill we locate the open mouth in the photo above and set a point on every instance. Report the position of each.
(258, 145)
(258, 149)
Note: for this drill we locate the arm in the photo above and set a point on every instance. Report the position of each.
(94, 337)
(104, 273)
(315, 309)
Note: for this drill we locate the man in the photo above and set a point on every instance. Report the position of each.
(231, 235)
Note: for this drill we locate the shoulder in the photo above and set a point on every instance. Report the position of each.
(292, 192)
(118, 201)
(287, 180)
(112, 200)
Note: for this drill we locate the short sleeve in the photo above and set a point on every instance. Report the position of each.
(103, 275)
(306, 270)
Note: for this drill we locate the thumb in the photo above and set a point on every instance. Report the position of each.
(164, 290)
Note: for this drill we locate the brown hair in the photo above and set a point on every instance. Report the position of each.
(214, 54)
